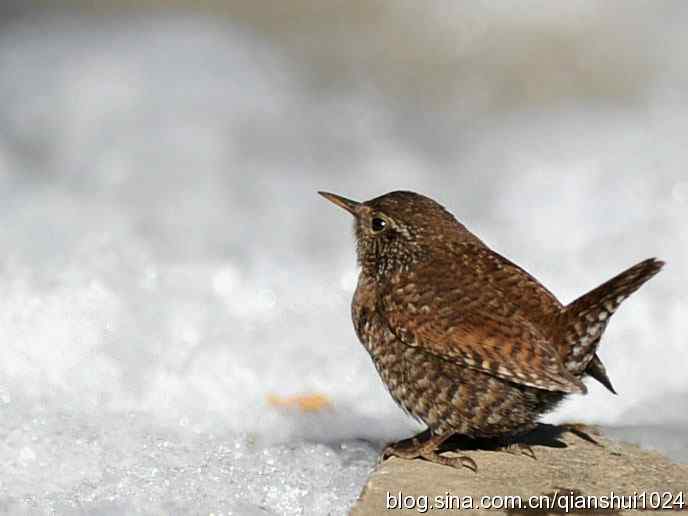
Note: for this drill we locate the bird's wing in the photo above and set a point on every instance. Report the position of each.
(462, 315)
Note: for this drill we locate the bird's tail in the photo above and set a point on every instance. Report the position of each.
(582, 322)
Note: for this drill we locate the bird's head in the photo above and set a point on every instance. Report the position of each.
(398, 229)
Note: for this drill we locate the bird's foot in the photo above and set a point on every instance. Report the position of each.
(427, 446)
(518, 449)
(582, 431)
(407, 448)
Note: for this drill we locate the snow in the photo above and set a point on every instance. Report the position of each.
(174, 319)
(121, 464)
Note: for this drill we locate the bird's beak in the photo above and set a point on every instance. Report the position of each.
(342, 202)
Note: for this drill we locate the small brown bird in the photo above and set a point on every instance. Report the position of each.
(465, 340)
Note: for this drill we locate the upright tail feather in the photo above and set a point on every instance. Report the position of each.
(582, 322)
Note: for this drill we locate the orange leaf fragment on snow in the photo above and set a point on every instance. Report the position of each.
(302, 402)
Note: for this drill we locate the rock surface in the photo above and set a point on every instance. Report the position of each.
(570, 464)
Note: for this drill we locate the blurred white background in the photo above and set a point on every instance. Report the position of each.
(166, 267)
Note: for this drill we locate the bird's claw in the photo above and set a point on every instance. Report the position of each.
(426, 447)
(519, 449)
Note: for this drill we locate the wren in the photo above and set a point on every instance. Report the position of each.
(465, 340)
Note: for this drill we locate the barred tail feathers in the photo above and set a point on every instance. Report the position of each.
(582, 323)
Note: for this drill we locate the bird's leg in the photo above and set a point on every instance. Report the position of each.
(406, 448)
(426, 445)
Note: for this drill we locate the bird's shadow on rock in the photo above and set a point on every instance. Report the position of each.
(546, 435)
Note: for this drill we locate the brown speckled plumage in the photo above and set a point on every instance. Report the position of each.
(465, 340)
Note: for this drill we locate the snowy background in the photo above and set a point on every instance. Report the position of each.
(171, 283)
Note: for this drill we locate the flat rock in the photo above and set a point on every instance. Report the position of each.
(571, 467)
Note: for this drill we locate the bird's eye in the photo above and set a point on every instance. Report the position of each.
(378, 224)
